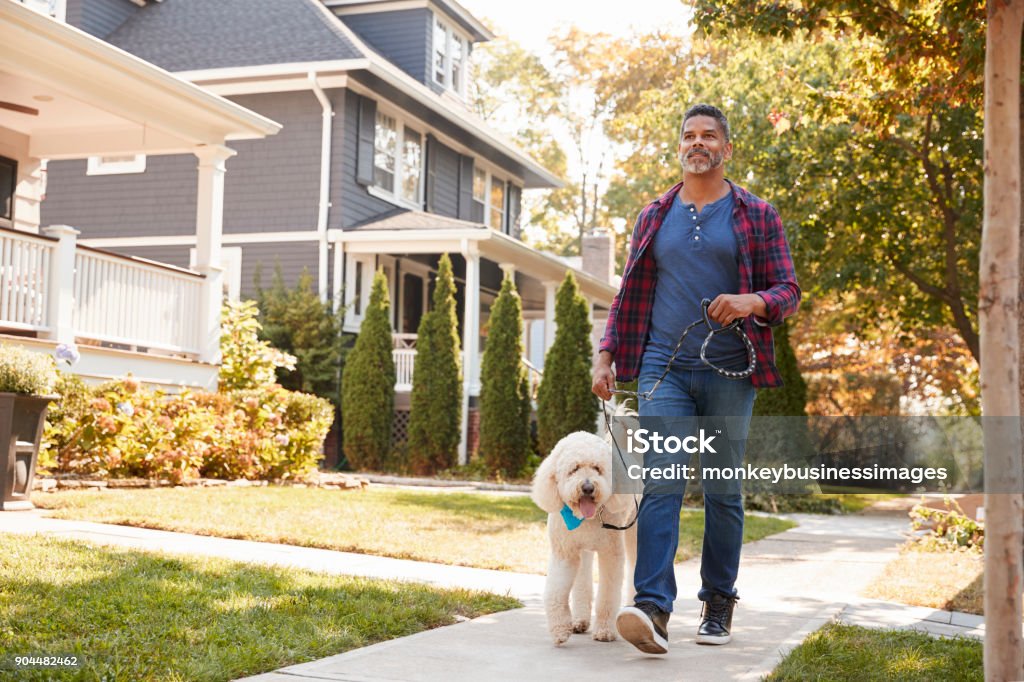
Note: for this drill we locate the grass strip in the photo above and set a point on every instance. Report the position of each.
(855, 654)
(130, 615)
(951, 581)
(502, 532)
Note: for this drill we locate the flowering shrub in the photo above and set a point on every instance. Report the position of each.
(948, 529)
(22, 371)
(120, 429)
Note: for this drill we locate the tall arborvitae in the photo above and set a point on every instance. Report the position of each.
(504, 392)
(435, 422)
(565, 402)
(368, 385)
(791, 399)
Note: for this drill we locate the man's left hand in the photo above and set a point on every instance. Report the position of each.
(728, 307)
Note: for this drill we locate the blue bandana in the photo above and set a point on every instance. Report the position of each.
(571, 522)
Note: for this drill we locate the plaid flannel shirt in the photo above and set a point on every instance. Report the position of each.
(765, 268)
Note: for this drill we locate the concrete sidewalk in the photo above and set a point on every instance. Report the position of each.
(790, 584)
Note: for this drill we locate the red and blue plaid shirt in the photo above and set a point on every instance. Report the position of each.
(765, 268)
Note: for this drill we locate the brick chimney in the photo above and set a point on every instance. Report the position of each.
(599, 253)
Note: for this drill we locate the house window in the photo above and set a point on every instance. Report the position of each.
(489, 198)
(398, 161)
(116, 165)
(8, 183)
(412, 164)
(385, 146)
(450, 50)
(497, 204)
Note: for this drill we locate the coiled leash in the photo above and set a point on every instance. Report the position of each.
(736, 326)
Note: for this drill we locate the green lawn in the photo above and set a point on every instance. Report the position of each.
(855, 654)
(129, 615)
(501, 532)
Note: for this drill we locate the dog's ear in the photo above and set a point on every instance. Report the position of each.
(545, 487)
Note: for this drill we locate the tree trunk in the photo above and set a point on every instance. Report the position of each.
(1000, 348)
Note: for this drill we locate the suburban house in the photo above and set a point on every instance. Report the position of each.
(65, 94)
(380, 164)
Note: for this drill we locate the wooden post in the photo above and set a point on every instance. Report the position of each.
(1000, 349)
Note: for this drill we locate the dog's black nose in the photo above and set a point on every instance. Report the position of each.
(588, 488)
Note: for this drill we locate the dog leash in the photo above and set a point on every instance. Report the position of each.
(736, 326)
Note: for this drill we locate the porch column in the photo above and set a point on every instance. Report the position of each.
(61, 284)
(550, 289)
(470, 340)
(209, 233)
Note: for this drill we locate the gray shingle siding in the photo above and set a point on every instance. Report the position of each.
(161, 201)
(171, 255)
(403, 37)
(99, 17)
(273, 184)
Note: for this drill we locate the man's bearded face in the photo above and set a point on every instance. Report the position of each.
(699, 160)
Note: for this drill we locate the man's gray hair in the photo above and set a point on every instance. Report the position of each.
(707, 110)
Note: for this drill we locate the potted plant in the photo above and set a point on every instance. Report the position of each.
(26, 384)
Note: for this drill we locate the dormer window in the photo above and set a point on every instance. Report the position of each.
(450, 51)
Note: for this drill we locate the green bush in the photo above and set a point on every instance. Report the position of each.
(435, 423)
(565, 402)
(505, 388)
(24, 371)
(948, 529)
(368, 386)
(246, 360)
(789, 400)
(297, 322)
(66, 420)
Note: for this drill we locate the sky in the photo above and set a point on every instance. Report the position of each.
(529, 22)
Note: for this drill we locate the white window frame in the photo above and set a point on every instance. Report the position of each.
(396, 196)
(492, 177)
(368, 261)
(116, 165)
(450, 32)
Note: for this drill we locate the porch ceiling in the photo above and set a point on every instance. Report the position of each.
(88, 98)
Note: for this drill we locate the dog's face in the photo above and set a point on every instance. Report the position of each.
(578, 473)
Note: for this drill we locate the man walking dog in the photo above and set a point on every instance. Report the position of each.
(704, 238)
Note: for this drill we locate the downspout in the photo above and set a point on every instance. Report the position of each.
(325, 182)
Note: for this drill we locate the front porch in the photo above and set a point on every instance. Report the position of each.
(407, 246)
(69, 95)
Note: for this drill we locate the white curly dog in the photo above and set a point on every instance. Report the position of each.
(578, 474)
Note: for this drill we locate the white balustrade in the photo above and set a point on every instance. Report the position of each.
(405, 363)
(25, 261)
(140, 304)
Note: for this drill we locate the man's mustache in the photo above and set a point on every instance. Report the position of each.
(698, 151)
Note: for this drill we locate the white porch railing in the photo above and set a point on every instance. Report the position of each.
(25, 265)
(127, 301)
(64, 291)
(404, 356)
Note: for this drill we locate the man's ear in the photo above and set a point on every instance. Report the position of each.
(728, 151)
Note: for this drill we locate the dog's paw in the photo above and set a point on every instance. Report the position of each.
(605, 634)
(561, 635)
(580, 626)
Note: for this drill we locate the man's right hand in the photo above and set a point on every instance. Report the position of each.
(604, 376)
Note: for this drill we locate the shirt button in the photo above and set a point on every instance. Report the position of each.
(698, 227)
(694, 217)
(697, 238)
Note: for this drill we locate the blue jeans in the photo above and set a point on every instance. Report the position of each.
(693, 394)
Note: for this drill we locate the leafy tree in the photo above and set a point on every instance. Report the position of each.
(435, 425)
(298, 322)
(505, 392)
(565, 402)
(368, 385)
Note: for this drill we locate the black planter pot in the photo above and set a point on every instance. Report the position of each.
(21, 430)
